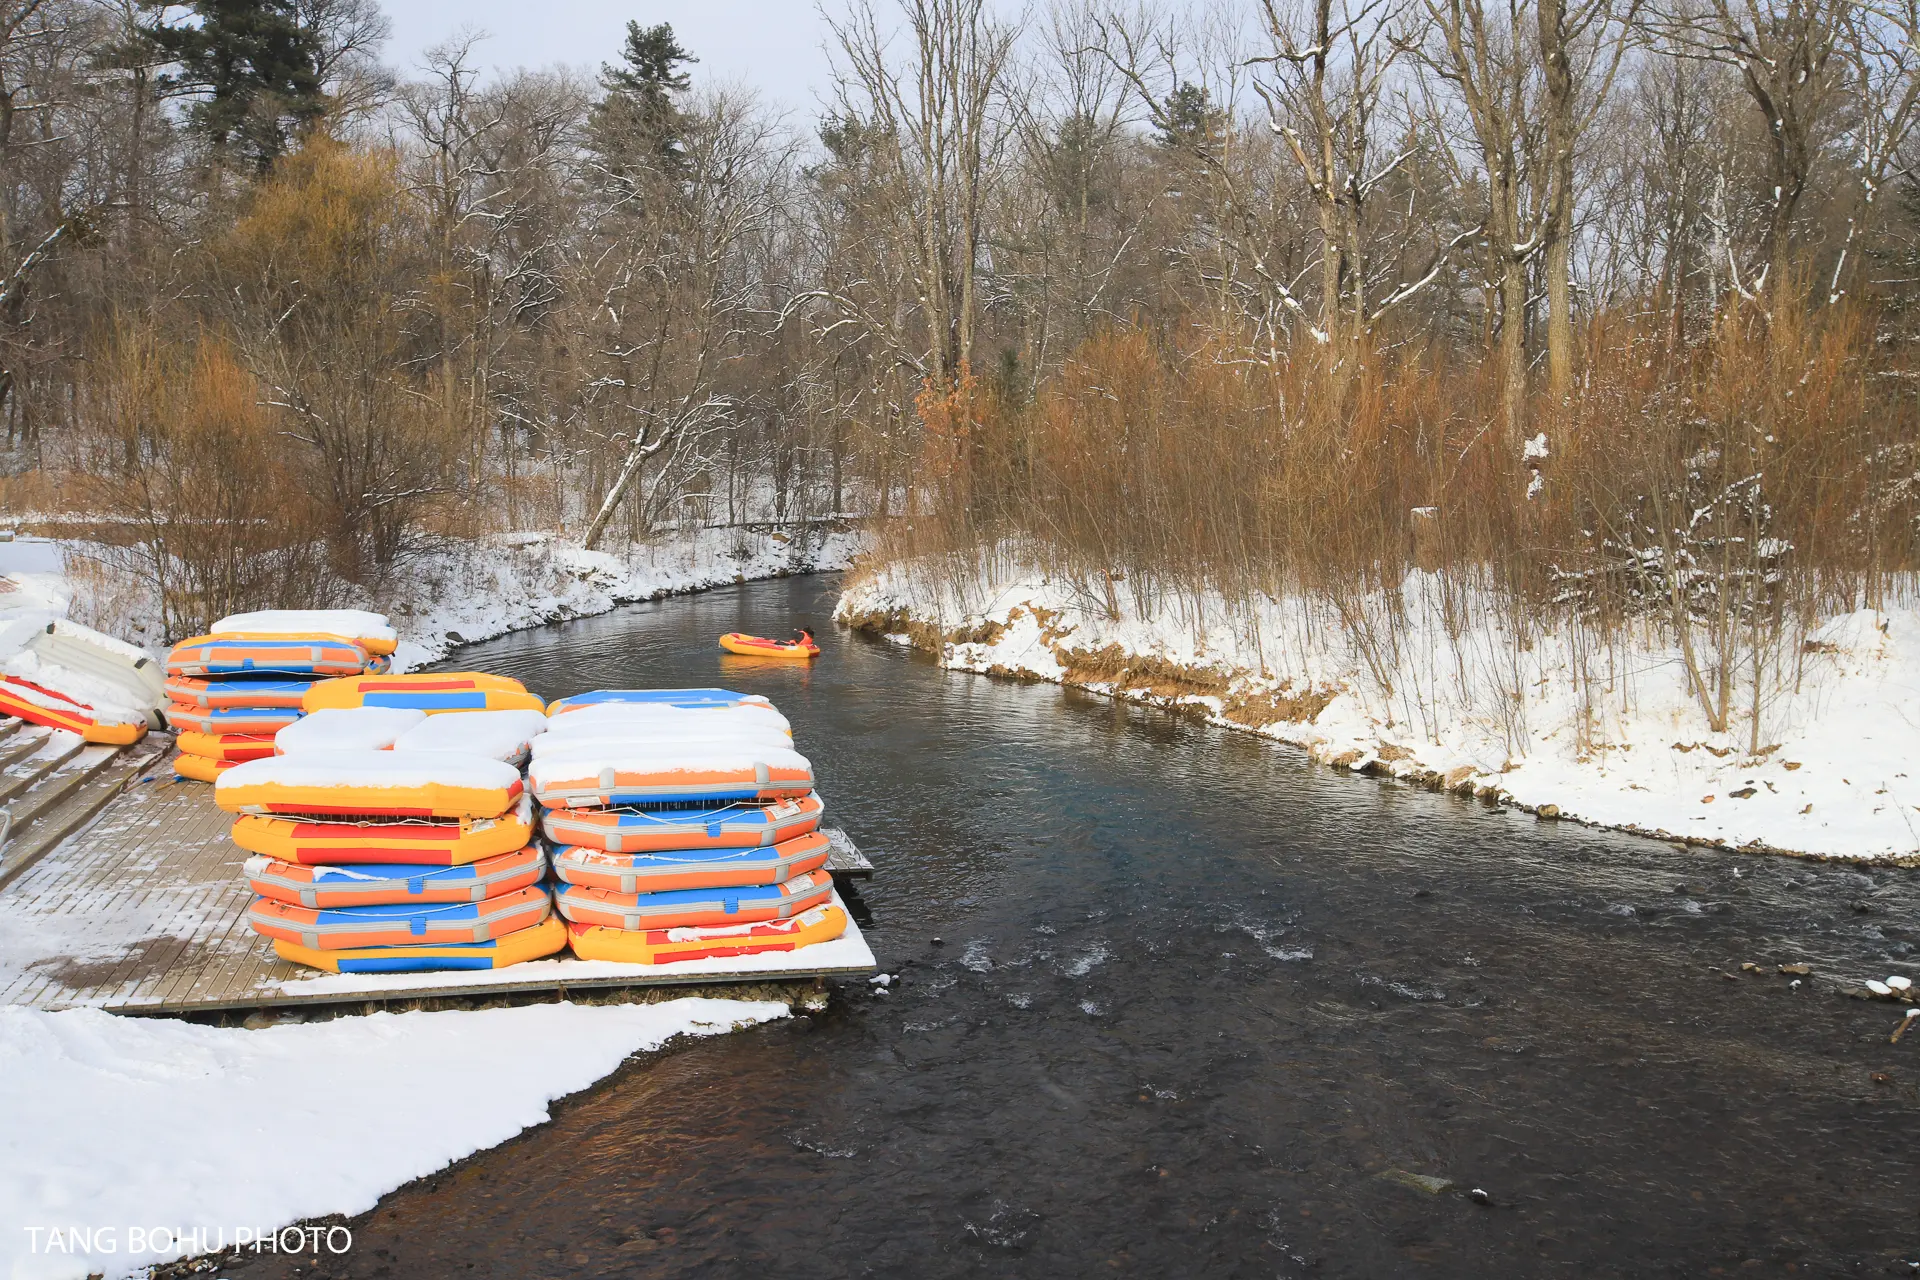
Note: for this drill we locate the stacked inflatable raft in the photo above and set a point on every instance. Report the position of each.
(386, 840)
(231, 690)
(685, 827)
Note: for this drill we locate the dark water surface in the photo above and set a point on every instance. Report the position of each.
(1196, 1000)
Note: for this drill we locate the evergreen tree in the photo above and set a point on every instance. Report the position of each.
(1191, 119)
(254, 67)
(638, 125)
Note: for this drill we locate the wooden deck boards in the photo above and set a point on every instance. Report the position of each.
(144, 912)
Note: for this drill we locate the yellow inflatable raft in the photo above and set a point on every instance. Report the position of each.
(39, 705)
(229, 748)
(432, 693)
(666, 946)
(760, 647)
(419, 784)
(201, 769)
(371, 631)
(543, 939)
(340, 842)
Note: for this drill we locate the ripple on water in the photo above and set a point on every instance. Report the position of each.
(1087, 961)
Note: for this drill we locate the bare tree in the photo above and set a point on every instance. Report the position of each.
(938, 129)
(1783, 51)
(1581, 48)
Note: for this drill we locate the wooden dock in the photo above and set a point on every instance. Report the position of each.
(144, 912)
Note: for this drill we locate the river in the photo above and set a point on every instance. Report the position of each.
(1173, 1001)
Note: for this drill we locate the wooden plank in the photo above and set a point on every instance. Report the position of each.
(153, 899)
(846, 861)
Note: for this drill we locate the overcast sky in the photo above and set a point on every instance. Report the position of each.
(772, 45)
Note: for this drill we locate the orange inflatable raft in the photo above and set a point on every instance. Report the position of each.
(208, 656)
(228, 748)
(726, 826)
(220, 721)
(666, 946)
(345, 841)
(378, 883)
(691, 868)
(761, 647)
(543, 939)
(399, 923)
(694, 908)
(220, 695)
(39, 705)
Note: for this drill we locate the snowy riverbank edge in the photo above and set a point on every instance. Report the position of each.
(132, 1142)
(1632, 754)
(469, 591)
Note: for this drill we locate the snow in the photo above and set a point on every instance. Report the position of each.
(373, 770)
(466, 591)
(347, 729)
(1611, 736)
(351, 624)
(510, 582)
(503, 735)
(118, 1126)
(104, 703)
(112, 689)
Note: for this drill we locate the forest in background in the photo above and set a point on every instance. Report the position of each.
(1598, 309)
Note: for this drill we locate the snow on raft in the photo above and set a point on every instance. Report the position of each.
(183, 1145)
(596, 775)
(370, 630)
(347, 729)
(501, 735)
(414, 784)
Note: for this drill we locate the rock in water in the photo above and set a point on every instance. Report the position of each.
(1419, 1181)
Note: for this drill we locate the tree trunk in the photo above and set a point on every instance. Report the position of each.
(1558, 76)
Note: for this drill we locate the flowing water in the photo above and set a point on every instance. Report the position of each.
(1173, 1001)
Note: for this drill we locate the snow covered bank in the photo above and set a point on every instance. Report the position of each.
(123, 1134)
(1443, 696)
(464, 592)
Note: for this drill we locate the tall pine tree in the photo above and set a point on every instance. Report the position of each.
(252, 67)
(638, 126)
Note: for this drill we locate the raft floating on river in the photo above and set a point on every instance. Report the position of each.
(761, 647)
